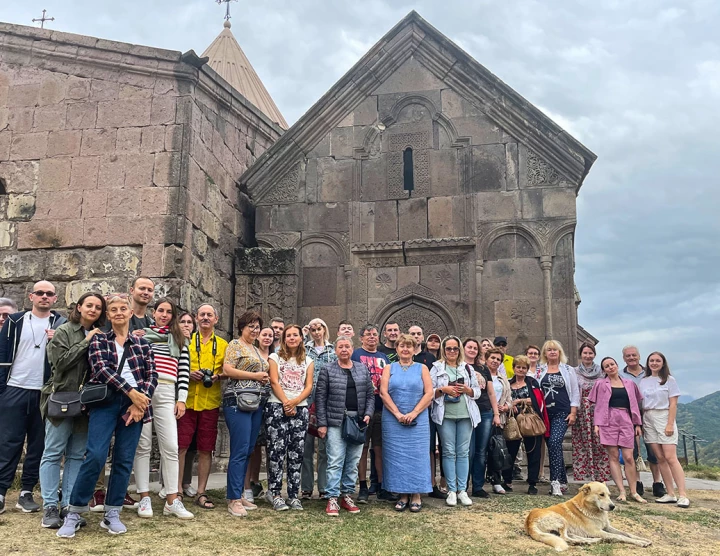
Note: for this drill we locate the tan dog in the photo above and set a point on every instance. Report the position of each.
(581, 520)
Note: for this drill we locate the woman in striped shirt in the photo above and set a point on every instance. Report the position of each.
(172, 361)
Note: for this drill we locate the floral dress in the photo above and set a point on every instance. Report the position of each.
(590, 460)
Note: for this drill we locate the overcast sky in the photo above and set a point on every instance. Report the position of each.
(637, 82)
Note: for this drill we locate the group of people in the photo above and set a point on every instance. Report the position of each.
(287, 391)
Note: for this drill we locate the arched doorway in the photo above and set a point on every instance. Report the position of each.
(415, 315)
(417, 305)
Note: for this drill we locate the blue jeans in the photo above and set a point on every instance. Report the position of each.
(244, 428)
(481, 437)
(342, 464)
(455, 437)
(60, 440)
(106, 420)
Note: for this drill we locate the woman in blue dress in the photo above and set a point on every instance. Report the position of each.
(406, 390)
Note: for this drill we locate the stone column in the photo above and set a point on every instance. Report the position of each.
(476, 314)
(546, 266)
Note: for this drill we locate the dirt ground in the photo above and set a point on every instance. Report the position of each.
(493, 526)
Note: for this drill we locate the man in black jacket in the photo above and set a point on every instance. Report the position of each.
(24, 368)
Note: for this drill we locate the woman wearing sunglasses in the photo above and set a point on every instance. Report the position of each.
(456, 414)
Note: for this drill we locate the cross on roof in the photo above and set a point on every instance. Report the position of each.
(227, 11)
(43, 19)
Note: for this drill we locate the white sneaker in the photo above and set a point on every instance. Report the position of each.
(451, 499)
(464, 499)
(145, 507)
(162, 494)
(555, 488)
(563, 488)
(190, 491)
(666, 499)
(177, 509)
(498, 489)
(683, 502)
(248, 495)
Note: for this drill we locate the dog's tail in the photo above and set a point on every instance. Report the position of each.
(550, 532)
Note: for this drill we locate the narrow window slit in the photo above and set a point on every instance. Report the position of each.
(408, 174)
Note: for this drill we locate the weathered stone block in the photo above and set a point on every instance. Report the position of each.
(167, 170)
(442, 278)
(374, 179)
(21, 266)
(7, 232)
(382, 282)
(64, 143)
(318, 254)
(329, 217)
(494, 206)
(28, 146)
(319, 286)
(341, 142)
(128, 140)
(94, 203)
(54, 173)
(163, 110)
(444, 173)
(98, 141)
(153, 259)
(366, 112)
(446, 217)
(510, 247)
(488, 168)
(261, 260)
(62, 265)
(101, 89)
(124, 113)
(38, 234)
(84, 172)
(112, 171)
(23, 95)
(559, 202)
(386, 221)
(52, 90)
(95, 231)
(20, 120)
(5, 139)
(532, 203)
(408, 275)
(78, 88)
(410, 76)
(413, 218)
(289, 218)
(173, 137)
(49, 118)
(114, 261)
(335, 179)
(81, 115)
(74, 290)
(21, 207)
(139, 170)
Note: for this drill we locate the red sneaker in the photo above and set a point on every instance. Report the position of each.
(332, 509)
(346, 503)
(97, 504)
(129, 502)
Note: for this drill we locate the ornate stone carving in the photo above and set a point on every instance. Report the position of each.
(414, 315)
(383, 281)
(444, 279)
(361, 301)
(417, 140)
(438, 250)
(540, 172)
(272, 295)
(523, 314)
(285, 190)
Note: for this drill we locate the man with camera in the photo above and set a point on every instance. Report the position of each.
(202, 408)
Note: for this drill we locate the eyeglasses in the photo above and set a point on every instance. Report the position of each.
(41, 293)
(452, 349)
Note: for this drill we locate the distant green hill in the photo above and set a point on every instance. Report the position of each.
(702, 418)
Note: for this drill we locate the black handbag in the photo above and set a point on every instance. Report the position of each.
(96, 394)
(499, 458)
(64, 405)
(353, 430)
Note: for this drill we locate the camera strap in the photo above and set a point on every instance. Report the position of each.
(198, 347)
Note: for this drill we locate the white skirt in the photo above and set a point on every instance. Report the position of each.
(654, 423)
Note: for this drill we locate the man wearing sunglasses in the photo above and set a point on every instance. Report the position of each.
(24, 368)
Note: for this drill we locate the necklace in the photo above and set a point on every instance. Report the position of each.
(405, 367)
(37, 344)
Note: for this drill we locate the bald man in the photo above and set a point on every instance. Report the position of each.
(24, 368)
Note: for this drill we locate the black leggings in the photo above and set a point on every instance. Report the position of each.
(532, 449)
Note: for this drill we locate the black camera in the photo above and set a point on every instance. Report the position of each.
(207, 378)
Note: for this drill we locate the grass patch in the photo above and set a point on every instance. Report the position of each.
(707, 472)
(492, 527)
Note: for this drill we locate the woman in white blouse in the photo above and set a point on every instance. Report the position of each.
(660, 395)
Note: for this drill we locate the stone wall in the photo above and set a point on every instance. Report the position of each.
(118, 159)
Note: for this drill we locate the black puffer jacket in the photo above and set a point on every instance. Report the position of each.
(330, 393)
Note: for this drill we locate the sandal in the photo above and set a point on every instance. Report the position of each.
(415, 507)
(401, 506)
(635, 496)
(621, 498)
(204, 502)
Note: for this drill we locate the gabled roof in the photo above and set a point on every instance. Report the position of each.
(413, 36)
(230, 62)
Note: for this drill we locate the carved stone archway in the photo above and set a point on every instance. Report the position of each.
(416, 315)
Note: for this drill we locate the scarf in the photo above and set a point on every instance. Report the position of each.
(589, 373)
(161, 335)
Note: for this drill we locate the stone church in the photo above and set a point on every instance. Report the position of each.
(419, 188)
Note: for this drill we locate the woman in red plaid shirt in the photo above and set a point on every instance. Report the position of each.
(130, 389)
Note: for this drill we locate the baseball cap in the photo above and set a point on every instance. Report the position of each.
(499, 340)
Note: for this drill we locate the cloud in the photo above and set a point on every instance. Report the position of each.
(637, 82)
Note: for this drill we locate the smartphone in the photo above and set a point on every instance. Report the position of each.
(410, 424)
(127, 418)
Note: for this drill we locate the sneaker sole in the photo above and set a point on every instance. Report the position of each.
(178, 516)
(52, 526)
(146, 516)
(107, 528)
(362, 501)
(64, 536)
(25, 511)
(97, 509)
(332, 515)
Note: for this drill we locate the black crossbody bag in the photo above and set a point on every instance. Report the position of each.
(97, 394)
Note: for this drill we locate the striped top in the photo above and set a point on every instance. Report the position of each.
(171, 369)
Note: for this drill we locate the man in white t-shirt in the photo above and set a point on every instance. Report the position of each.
(24, 368)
